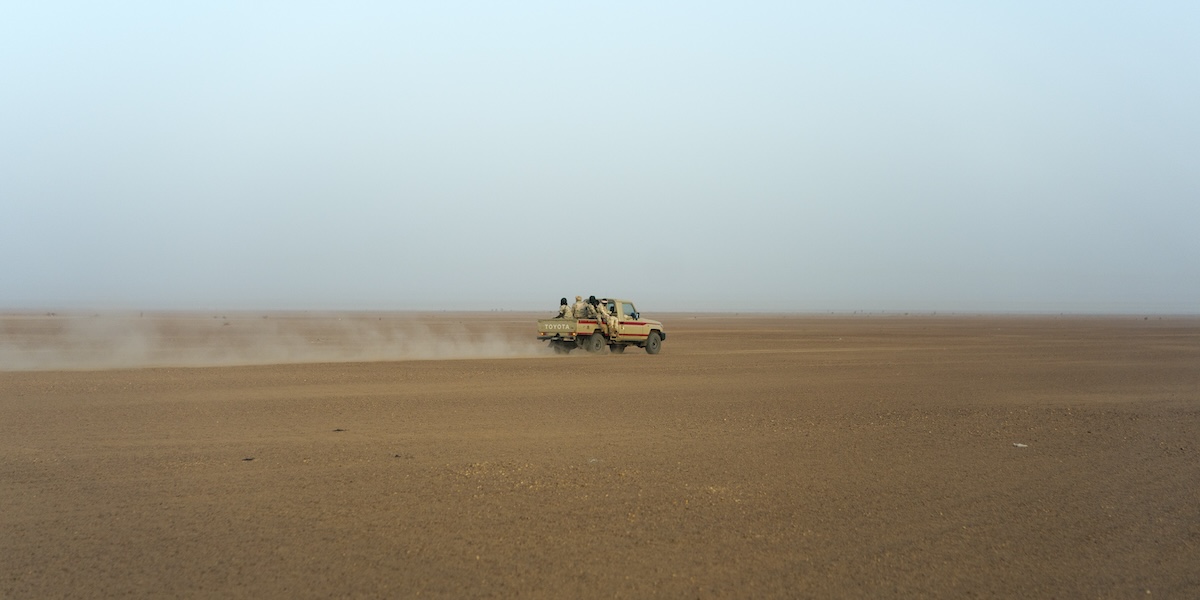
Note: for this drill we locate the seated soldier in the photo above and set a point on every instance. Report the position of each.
(614, 320)
(608, 318)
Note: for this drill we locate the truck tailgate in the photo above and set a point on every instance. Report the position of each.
(563, 327)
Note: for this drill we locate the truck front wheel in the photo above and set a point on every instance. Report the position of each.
(653, 343)
(595, 343)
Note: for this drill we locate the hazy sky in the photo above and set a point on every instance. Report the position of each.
(950, 156)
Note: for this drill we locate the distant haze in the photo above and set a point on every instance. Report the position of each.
(762, 156)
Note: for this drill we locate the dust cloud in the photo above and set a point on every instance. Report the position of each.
(110, 341)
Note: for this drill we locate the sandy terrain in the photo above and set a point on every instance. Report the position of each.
(754, 457)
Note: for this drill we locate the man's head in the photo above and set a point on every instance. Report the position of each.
(579, 298)
(592, 300)
(562, 302)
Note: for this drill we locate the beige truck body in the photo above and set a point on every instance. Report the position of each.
(590, 334)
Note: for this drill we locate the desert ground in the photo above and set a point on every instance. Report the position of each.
(450, 455)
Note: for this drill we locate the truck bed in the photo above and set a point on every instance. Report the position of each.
(566, 329)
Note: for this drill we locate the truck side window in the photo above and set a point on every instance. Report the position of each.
(628, 310)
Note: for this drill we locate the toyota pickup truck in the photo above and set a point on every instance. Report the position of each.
(565, 335)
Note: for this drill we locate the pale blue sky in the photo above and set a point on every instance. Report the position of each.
(948, 156)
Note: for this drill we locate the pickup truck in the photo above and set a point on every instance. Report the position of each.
(565, 335)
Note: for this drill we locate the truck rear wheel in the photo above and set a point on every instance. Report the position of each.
(562, 347)
(653, 343)
(595, 343)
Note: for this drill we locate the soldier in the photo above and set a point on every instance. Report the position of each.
(608, 321)
(564, 311)
(610, 317)
(579, 307)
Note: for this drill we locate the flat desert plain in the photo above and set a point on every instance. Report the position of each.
(449, 455)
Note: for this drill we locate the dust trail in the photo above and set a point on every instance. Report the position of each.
(89, 342)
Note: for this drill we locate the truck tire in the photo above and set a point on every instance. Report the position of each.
(562, 347)
(653, 343)
(595, 343)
